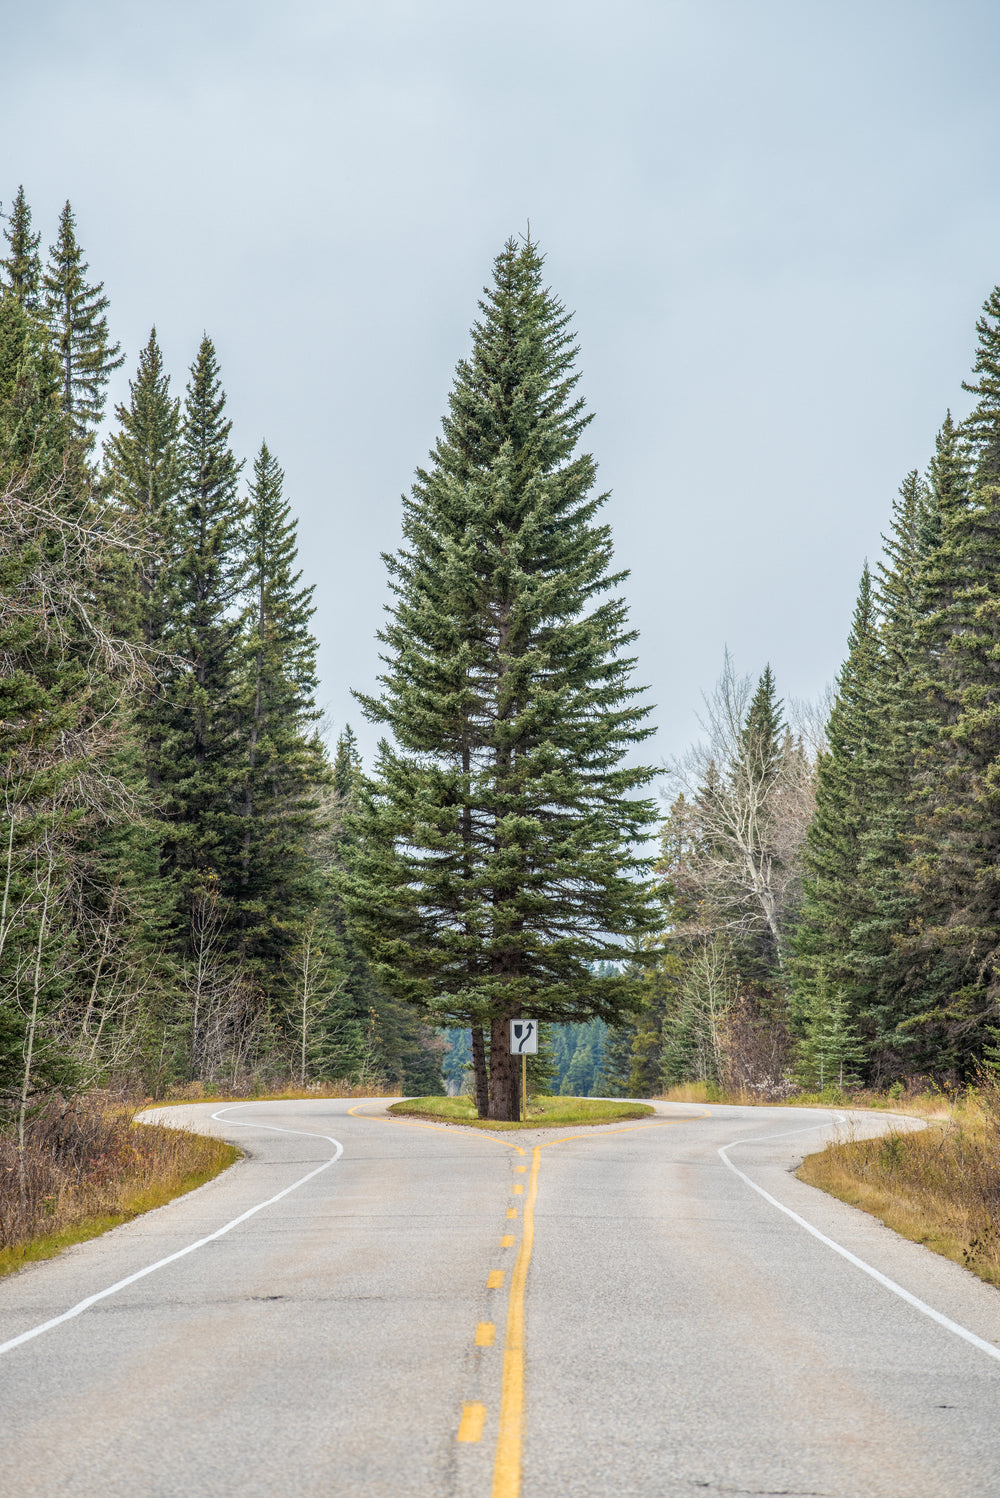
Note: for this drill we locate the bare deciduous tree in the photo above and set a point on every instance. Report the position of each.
(748, 801)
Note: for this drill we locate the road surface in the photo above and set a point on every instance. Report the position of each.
(367, 1307)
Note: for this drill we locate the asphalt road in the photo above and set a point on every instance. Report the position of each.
(373, 1308)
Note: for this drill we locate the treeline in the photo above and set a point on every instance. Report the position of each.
(832, 895)
(192, 890)
(172, 825)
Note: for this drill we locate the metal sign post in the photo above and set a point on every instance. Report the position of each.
(524, 1043)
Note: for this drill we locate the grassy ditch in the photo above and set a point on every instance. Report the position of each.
(543, 1112)
(87, 1167)
(938, 1186)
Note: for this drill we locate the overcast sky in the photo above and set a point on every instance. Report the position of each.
(775, 221)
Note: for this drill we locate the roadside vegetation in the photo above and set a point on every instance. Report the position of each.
(919, 1097)
(543, 1112)
(197, 1092)
(939, 1186)
(86, 1166)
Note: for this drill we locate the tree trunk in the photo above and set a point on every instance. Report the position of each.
(505, 1074)
(480, 1073)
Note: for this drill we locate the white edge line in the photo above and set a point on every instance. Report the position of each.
(83, 1305)
(845, 1253)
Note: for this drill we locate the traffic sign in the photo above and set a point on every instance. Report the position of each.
(523, 1037)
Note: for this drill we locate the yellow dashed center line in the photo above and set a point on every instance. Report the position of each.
(473, 1419)
(507, 1463)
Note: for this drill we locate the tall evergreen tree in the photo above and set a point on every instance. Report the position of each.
(22, 265)
(500, 826)
(883, 978)
(834, 898)
(763, 731)
(76, 315)
(283, 758)
(957, 836)
(142, 468)
(33, 431)
(202, 764)
(981, 427)
(752, 806)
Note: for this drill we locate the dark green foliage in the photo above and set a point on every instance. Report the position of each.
(902, 910)
(383, 1037)
(957, 836)
(981, 427)
(616, 1064)
(579, 1052)
(542, 1070)
(33, 431)
(75, 312)
(22, 265)
(202, 759)
(834, 898)
(75, 864)
(142, 467)
(763, 730)
(880, 988)
(496, 864)
(283, 763)
(829, 1054)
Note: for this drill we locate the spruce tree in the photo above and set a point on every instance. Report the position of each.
(142, 471)
(22, 266)
(75, 313)
(829, 1053)
(202, 761)
(834, 898)
(753, 806)
(616, 1063)
(283, 759)
(33, 431)
(957, 837)
(981, 428)
(142, 465)
(881, 989)
(499, 827)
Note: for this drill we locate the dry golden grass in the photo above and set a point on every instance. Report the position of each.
(939, 1186)
(916, 1099)
(86, 1167)
(196, 1092)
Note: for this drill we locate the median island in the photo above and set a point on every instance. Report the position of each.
(543, 1112)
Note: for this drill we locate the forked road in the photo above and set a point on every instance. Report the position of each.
(431, 1311)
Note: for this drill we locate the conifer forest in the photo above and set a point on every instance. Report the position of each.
(199, 890)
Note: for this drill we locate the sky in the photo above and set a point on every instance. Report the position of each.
(774, 220)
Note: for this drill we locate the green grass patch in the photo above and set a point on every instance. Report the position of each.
(217, 1157)
(543, 1112)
